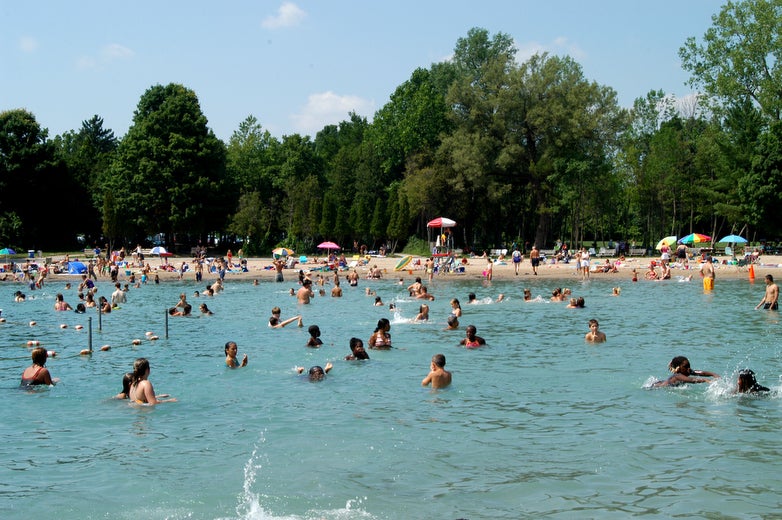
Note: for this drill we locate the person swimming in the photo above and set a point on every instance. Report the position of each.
(471, 340)
(747, 384)
(682, 374)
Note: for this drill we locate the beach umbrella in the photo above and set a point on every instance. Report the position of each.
(441, 222)
(694, 238)
(158, 250)
(7, 251)
(667, 241)
(732, 239)
(282, 252)
(328, 245)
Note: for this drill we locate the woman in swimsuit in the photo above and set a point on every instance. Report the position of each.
(682, 373)
(456, 308)
(37, 373)
(141, 391)
(381, 339)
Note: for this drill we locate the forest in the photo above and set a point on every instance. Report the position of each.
(529, 152)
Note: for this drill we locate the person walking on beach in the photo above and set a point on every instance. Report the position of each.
(517, 258)
(278, 265)
(438, 376)
(534, 258)
(771, 297)
(708, 274)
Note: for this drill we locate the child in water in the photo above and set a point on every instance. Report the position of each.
(747, 384)
(682, 373)
(314, 341)
(438, 376)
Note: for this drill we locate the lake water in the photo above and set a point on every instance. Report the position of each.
(536, 424)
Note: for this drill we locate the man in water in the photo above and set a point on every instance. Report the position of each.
(708, 274)
(438, 376)
(770, 299)
(595, 335)
(305, 292)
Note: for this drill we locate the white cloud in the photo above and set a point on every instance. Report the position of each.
(107, 55)
(115, 51)
(558, 46)
(28, 44)
(288, 15)
(328, 108)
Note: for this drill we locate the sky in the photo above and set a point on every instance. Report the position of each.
(299, 65)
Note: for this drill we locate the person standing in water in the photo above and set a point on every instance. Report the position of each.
(438, 376)
(770, 299)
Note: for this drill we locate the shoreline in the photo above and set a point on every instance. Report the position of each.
(261, 268)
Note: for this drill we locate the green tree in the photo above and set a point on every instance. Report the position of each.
(33, 184)
(741, 55)
(88, 154)
(169, 174)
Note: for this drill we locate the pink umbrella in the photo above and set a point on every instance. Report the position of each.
(328, 245)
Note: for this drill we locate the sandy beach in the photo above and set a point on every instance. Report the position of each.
(262, 269)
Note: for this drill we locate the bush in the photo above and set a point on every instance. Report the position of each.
(416, 246)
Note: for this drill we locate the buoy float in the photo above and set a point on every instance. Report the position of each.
(78, 327)
(105, 348)
(33, 343)
(85, 352)
(154, 338)
(2, 320)
(51, 353)
(751, 272)
(136, 342)
(149, 333)
(33, 323)
(63, 326)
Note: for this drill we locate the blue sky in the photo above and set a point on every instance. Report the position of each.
(297, 66)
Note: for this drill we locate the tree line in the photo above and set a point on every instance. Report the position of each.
(530, 152)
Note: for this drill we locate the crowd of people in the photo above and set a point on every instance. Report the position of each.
(140, 390)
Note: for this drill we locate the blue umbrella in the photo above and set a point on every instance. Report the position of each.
(7, 251)
(733, 239)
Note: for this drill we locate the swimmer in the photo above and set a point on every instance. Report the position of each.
(380, 338)
(438, 376)
(453, 322)
(314, 341)
(37, 373)
(747, 384)
(682, 373)
(356, 350)
(379, 302)
(316, 373)
(770, 299)
(456, 308)
(141, 391)
(423, 313)
(423, 294)
(231, 350)
(276, 323)
(595, 335)
(616, 291)
(527, 295)
(471, 340)
(205, 310)
(126, 380)
(572, 304)
(471, 298)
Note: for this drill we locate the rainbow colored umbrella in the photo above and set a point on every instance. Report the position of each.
(281, 252)
(695, 238)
